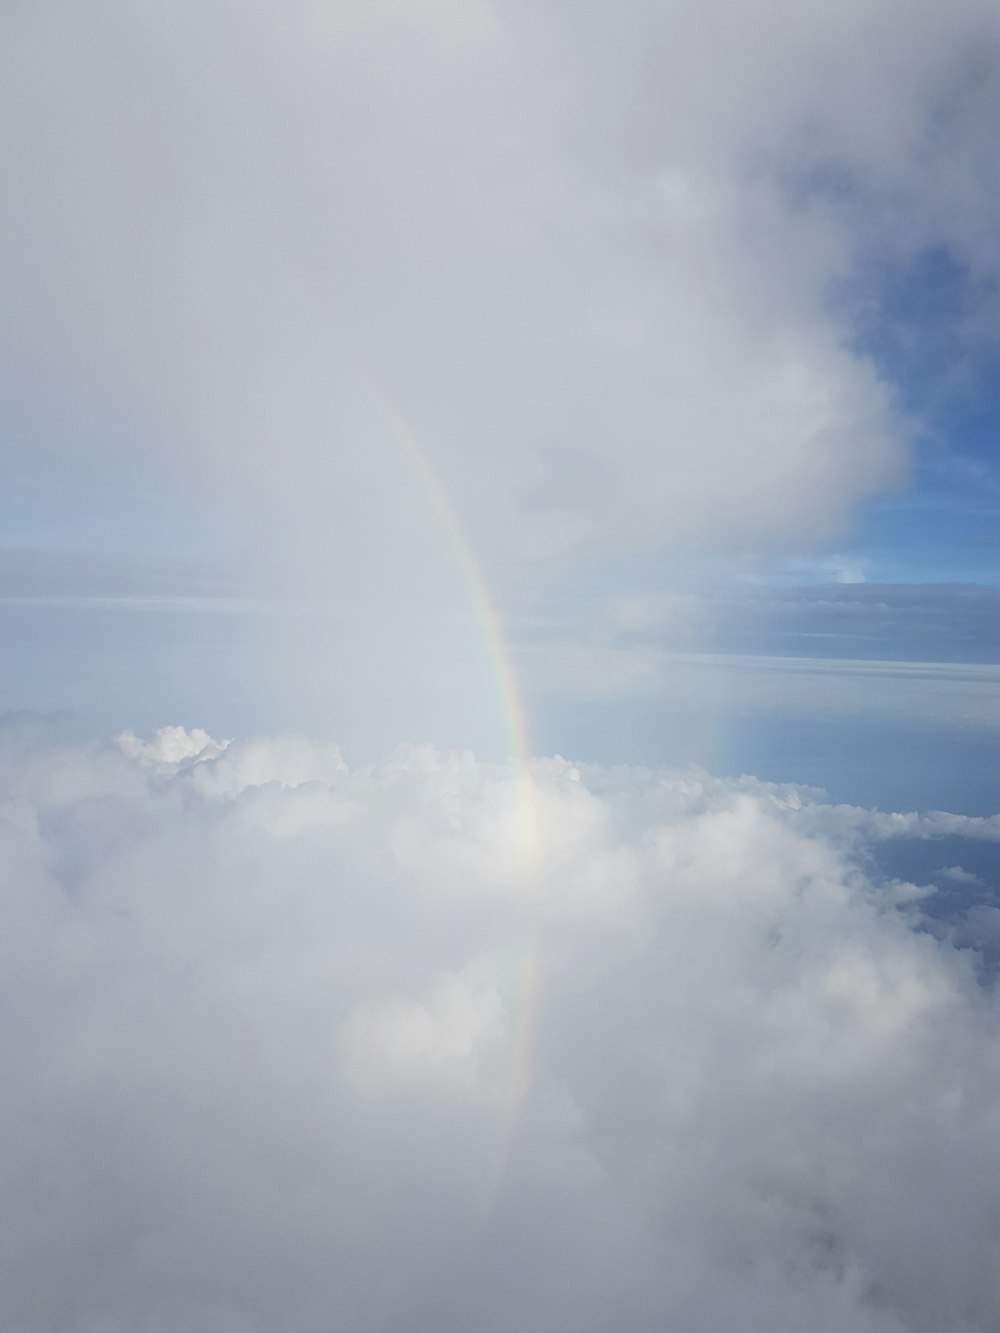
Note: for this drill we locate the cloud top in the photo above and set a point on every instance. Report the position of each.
(262, 1016)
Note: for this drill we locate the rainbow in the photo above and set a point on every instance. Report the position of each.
(520, 1057)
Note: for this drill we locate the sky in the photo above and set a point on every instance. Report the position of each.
(685, 362)
(499, 664)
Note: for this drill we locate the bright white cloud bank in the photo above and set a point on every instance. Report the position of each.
(288, 1046)
(598, 254)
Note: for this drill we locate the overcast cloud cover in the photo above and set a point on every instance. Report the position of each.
(295, 1044)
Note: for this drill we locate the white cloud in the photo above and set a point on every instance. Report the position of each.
(592, 256)
(290, 1046)
(170, 746)
(959, 875)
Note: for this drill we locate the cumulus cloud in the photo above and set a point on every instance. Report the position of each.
(431, 1044)
(592, 255)
(290, 1045)
(959, 875)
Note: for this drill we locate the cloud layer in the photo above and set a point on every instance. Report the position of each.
(293, 1046)
(429, 1045)
(593, 256)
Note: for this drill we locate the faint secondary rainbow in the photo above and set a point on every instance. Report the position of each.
(527, 985)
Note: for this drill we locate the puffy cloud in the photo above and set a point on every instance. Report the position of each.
(593, 258)
(292, 1045)
(170, 746)
(959, 875)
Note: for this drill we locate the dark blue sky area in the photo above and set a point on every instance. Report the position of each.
(932, 327)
